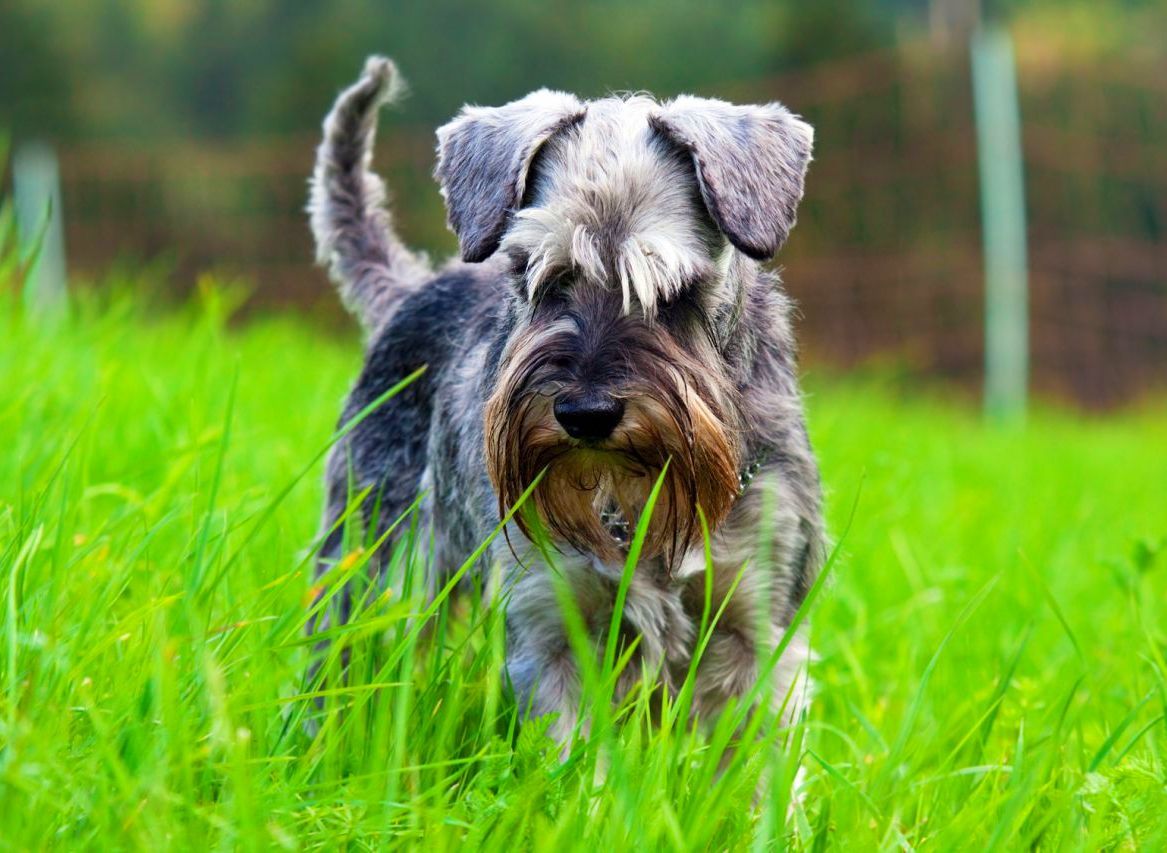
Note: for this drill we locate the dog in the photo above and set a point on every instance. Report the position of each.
(608, 329)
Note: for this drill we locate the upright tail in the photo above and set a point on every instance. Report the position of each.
(354, 234)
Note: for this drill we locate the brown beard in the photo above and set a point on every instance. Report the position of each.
(675, 417)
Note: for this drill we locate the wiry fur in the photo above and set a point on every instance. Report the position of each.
(613, 247)
(612, 210)
(353, 231)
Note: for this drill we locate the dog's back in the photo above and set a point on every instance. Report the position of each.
(388, 450)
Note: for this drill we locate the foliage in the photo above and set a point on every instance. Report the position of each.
(214, 67)
(992, 646)
(178, 68)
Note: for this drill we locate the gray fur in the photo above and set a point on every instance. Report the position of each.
(617, 216)
(483, 158)
(607, 204)
(353, 230)
(751, 162)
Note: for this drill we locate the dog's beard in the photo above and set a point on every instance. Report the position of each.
(592, 497)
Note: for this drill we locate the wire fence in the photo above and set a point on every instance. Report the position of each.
(885, 262)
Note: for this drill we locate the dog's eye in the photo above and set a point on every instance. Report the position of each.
(668, 304)
(559, 363)
(518, 263)
(679, 304)
(517, 269)
(551, 295)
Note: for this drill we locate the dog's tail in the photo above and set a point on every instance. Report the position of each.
(354, 235)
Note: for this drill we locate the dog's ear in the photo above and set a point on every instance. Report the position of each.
(751, 163)
(483, 158)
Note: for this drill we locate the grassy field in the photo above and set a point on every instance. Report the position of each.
(992, 650)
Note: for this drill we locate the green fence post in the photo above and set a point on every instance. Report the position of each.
(37, 194)
(1002, 180)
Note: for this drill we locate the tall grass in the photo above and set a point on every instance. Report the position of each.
(991, 665)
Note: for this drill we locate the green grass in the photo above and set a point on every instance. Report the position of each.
(992, 642)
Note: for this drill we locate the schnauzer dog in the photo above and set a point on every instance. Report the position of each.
(609, 327)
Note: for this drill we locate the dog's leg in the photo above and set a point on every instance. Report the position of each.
(734, 660)
(655, 613)
(761, 575)
(357, 552)
(325, 617)
(541, 662)
(739, 654)
(353, 231)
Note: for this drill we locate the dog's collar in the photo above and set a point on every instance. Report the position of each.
(621, 531)
(747, 475)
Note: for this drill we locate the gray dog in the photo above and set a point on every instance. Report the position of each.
(608, 326)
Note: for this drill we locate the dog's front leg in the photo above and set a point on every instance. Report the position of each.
(741, 651)
(758, 597)
(541, 662)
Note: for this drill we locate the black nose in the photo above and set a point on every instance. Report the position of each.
(590, 417)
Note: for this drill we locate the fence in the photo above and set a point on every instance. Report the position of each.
(886, 259)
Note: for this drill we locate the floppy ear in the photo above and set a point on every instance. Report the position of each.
(483, 158)
(751, 162)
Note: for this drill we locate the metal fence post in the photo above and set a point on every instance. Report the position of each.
(36, 187)
(1002, 180)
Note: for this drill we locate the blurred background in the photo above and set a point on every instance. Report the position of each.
(180, 134)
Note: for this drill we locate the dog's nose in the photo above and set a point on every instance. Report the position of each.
(592, 417)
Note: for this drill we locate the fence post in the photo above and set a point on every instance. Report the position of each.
(1002, 180)
(36, 186)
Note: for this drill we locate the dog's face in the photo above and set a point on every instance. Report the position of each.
(626, 224)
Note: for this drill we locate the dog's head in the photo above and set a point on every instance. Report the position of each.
(628, 225)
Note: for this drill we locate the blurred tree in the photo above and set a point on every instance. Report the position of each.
(34, 79)
(234, 67)
(217, 67)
